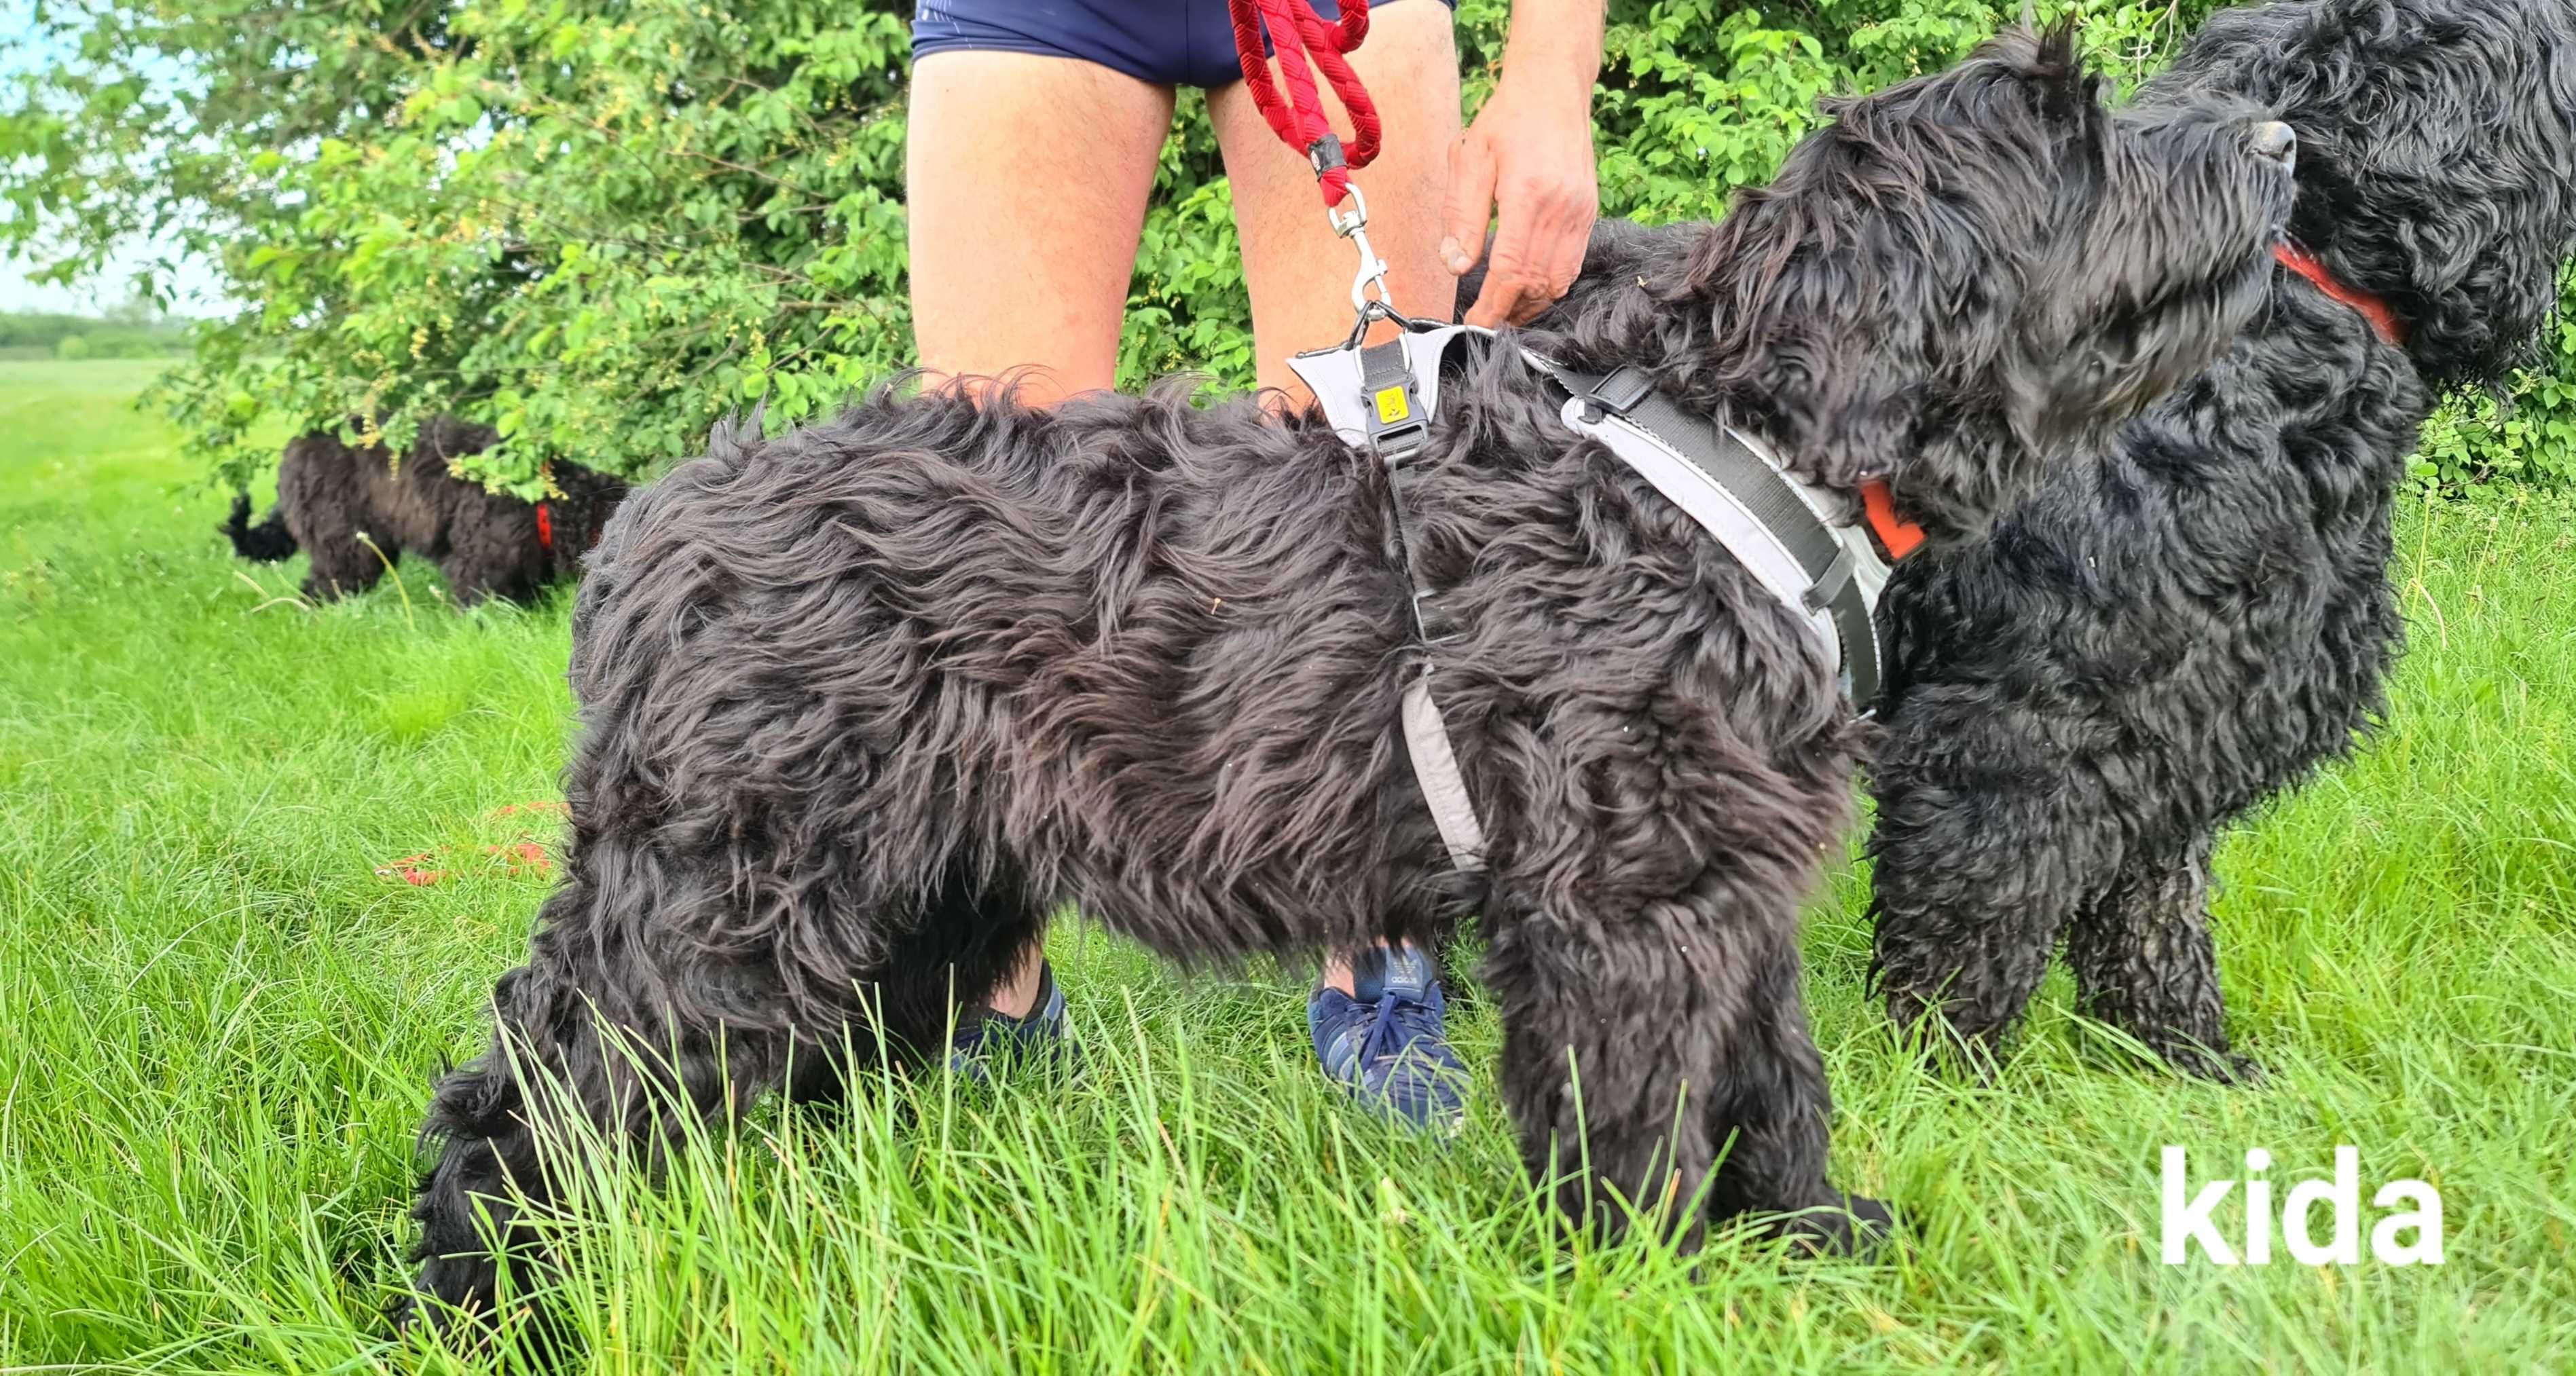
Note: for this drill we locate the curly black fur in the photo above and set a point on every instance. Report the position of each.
(485, 544)
(866, 703)
(2194, 618)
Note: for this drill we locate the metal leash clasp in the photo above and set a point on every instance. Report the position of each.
(1379, 395)
(1354, 227)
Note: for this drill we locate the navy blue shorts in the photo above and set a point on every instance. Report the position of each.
(1161, 42)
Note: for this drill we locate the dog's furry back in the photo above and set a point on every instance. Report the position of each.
(1090, 642)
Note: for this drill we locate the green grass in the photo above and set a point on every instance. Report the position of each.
(217, 1027)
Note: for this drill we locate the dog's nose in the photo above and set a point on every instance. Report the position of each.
(2277, 141)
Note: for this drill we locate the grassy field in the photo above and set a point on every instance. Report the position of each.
(217, 1027)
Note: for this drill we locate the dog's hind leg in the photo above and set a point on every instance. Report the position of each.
(970, 935)
(1636, 1053)
(2146, 964)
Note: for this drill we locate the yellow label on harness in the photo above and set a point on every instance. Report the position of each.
(1390, 406)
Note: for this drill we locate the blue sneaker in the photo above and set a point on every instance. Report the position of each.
(1386, 1045)
(982, 1044)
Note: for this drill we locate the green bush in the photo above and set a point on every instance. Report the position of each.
(602, 224)
(2526, 434)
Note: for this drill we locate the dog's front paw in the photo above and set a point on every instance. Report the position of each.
(524, 1338)
(1856, 1224)
(2217, 1067)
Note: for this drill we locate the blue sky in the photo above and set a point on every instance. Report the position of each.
(20, 51)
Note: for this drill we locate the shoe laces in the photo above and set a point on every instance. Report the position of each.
(1401, 1023)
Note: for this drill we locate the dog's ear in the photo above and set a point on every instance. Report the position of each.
(1863, 310)
(1832, 329)
(737, 435)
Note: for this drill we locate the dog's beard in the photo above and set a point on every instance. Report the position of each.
(2438, 156)
(2134, 359)
(2122, 320)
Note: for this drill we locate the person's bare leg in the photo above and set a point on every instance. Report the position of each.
(1027, 178)
(1299, 271)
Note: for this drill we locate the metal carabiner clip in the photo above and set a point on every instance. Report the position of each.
(1354, 227)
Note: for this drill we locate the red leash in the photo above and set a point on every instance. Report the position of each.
(1299, 33)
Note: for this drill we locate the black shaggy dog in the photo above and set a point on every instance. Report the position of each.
(865, 704)
(2195, 617)
(485, 544)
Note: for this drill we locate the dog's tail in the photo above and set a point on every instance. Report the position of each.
(266, 542)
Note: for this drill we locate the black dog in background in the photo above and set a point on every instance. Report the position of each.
(2191, 619)
(486, 544)
(2194, 618)
(867, 703)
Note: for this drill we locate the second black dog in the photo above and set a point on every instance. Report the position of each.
(2193, 619)
(357, 512)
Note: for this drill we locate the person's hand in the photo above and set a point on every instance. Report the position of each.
(1526, 161)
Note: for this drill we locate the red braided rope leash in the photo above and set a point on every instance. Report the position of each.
(1298, 117)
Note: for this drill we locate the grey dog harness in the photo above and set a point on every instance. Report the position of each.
(1382, 398)
(1780, 527)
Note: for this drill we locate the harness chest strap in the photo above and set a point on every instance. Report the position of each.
(1382, 398)
(1401, 397)
(1781, 529)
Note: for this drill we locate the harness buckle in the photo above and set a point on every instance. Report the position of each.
(1622, 390)
(1396, 418)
